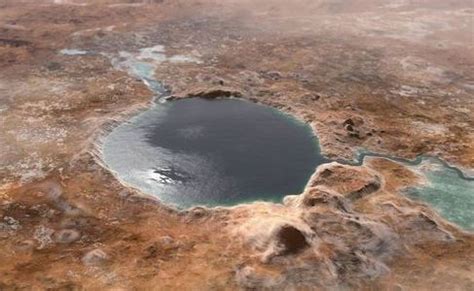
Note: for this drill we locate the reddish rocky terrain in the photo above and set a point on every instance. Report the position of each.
(393, 77)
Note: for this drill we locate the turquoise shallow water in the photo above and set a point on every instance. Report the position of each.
(141, 161)
(450, 195)
(447, 189)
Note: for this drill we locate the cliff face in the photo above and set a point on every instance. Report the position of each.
(393, 78)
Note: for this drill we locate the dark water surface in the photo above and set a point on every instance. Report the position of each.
(226, 152)
(214, 152)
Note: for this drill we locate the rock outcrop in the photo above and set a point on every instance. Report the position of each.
(330, 227)
(208, 93)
